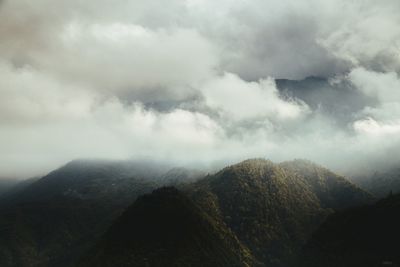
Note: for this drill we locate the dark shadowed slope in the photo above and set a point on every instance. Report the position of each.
(360, 237)
(274, 208)
(53, 220)
(166, 228)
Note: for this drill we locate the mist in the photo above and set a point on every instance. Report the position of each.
(198, 83)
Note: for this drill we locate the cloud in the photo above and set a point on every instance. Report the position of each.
(371, 127)
(365, 35)
(289, 39)
(109, 130)
(28, 96)
(196, 82)
(139, 57)
(385, 86)
(240, 100)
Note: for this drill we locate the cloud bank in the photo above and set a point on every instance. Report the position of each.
(197, 82)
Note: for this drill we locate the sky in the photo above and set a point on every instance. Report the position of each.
(197, 82)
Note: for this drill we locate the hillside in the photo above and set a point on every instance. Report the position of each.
(180, 177)
(165, 228)
(53, 220)
(258, 209)
(360, 237)
(332, 190)
(89, 179)
(274, 208)
(6, 184)
(15, 188)
(381, 183)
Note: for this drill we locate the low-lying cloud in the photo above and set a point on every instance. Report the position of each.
(197, 82)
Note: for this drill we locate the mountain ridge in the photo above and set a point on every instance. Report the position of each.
(270, 207)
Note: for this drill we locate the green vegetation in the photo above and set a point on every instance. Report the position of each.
(252, 213)
(274, 208)
(166, 228)
(332, 190)
(54, 220)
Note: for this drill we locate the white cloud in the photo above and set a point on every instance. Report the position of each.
(29, 96)
(128, 57)
(364, 33)
(371, 127)
(44, 122)
(238, 99)
(79, 78)
(384, 86)
(384, 117)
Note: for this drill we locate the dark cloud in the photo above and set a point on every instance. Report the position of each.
(284, 48)
(337, 99)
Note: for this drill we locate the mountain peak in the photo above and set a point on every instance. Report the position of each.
(248, 169)
(274, 208)
(252, 163)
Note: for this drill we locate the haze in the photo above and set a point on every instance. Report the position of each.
(196, 82)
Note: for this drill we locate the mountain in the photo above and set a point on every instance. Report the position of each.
(90, 179)
(166, 228)
(274, 208)
(180, 176)
(380, 183)
(252, 212)
(15, 187)
(7, 185)
(365, 236)
(332, 190)
(53, 220)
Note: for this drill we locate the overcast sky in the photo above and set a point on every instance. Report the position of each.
(196, 82)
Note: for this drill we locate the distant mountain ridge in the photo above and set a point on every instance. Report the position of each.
(380, 183)
(80, 178)
(7, 184)
(53, 220)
